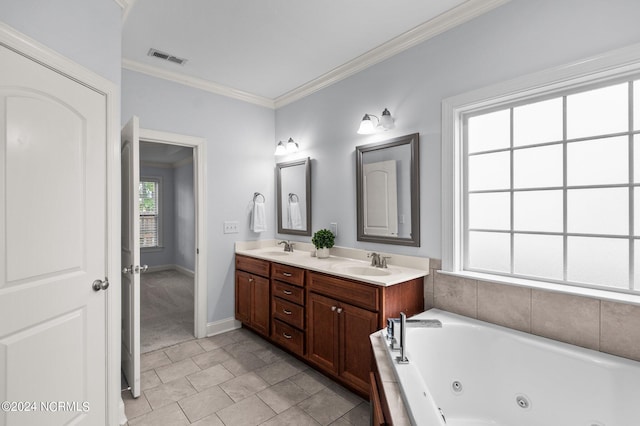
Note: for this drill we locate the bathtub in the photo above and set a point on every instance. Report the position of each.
(473, 373)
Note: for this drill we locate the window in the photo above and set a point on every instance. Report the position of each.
(149, 196)
(545, 185)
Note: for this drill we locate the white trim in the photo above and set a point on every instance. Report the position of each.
(444, 22)
(184, 271)
(222, 326)
(51, 59)
(200, 178)
(196, 82)
(617, 63)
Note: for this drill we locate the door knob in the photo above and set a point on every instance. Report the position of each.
(101, 284)
(141, 269)
(127, 269)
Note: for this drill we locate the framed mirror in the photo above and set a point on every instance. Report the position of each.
(293, 190)
(388, 191)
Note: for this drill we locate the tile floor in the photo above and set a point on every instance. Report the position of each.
(237, 378)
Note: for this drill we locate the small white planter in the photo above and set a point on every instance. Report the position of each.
(322, 253)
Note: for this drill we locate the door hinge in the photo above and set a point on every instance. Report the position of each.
(197, 251)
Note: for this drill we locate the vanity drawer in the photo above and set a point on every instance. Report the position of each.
(287, 291)
(253, 265)
(288, 312)
(287, 273)
(361, 295)
(288, 336)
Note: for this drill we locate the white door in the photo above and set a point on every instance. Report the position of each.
(130, 157)
(380, 198)
(52, 246)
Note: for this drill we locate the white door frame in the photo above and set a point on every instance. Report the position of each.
(31, 48)
(200, 178)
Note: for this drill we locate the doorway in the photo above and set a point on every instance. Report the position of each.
(193, 247)
(167, 245)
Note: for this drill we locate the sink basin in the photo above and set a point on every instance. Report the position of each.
(277, 253)
(361, 270)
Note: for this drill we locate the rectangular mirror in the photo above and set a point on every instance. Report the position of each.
(388, 191)
(293, 188)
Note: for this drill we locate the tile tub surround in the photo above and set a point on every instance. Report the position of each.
(602, 325)
(404, 268)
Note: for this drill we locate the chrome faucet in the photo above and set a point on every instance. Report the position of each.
(404, 323)
(378, 260)
(288, 246)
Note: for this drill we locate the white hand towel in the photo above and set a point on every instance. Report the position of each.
(258, 217)
(295, 217)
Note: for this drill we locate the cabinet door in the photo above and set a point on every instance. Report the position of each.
(243, 297)
(356, 325)
(322, 332)
(260, 303)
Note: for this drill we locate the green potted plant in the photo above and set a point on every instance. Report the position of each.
(323, 240)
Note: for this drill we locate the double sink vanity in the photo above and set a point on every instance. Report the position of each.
(323, 310)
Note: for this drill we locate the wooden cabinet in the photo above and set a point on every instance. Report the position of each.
(338, 337)
(252, 294)
(323, 319)
(288, 307)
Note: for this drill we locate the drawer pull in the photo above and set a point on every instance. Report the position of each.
(287, 336)
(287, 292)
(287, 274)
(286, 312)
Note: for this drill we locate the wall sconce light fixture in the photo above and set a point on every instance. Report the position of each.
(385, 122)
(289, 148)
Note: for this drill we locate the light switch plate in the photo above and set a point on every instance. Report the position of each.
(231, 227)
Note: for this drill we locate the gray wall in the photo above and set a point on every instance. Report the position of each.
(166, 254)
(184, 217)
(518, 38)
(88, 32)
(240, 145)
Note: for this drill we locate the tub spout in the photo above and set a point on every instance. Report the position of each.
(402, 359)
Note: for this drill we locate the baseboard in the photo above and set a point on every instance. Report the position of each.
(123, 416)
(222, 326)
(172, 267)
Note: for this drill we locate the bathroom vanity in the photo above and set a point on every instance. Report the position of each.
(323, 310)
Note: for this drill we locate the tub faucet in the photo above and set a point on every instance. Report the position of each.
(288, 246)
(403, 322)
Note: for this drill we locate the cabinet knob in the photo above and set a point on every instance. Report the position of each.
(339, 310)
(250, 279)
(333, 308)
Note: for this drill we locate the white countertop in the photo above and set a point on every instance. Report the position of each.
(345, 267)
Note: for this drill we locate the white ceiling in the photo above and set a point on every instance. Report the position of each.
(270, 49)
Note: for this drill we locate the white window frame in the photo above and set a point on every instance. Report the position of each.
(612, 66)
(158, 181)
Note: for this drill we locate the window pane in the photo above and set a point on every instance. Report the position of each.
(489, 171)
(537, 123)
(490, 211)
(636, 105)
(598, 162)
(537, 167)
(538, 211)
(598, 211)
(601, 261)
(636, 261)
(636, 213)
(598, 112)
(636, 158)
(489, 131)
(538, 256)
(489, 251)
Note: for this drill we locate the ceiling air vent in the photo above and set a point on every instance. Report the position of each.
(167, 57)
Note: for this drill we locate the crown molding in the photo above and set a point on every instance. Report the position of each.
(446, 21)
(197, 83)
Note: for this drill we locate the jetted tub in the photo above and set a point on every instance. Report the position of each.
(473, 373)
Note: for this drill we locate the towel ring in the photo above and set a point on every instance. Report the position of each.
(256, 195)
